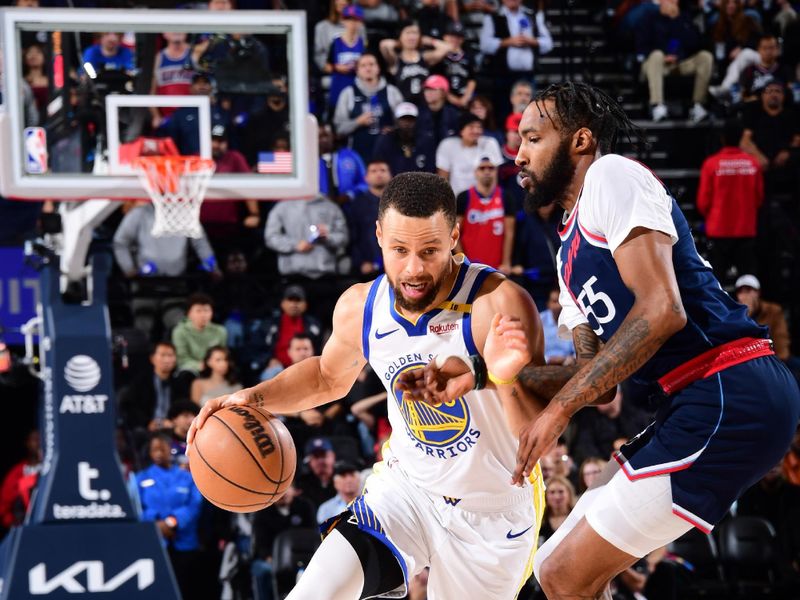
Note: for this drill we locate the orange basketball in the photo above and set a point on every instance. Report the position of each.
(243, 459)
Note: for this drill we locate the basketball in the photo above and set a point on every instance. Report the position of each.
(243, 459)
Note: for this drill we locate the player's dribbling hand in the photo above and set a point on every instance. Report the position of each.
(536, 439)
(437, 383)
(506, 349)
(239, 398)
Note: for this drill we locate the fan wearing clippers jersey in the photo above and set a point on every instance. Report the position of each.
(486, 218)
(442, 496)
(631, 277)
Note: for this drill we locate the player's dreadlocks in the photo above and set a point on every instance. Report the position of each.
(582, 105)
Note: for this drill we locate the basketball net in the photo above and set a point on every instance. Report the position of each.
(177, 186)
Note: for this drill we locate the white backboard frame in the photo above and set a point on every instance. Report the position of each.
(116, 101)
(15, 183)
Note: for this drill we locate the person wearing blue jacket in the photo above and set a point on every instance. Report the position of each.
(342, 171)
(170, 498)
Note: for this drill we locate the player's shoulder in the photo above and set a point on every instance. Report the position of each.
(614, 168)
(348, 314)
(498, 293)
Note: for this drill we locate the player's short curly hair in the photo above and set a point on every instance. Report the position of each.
(582, 105)
(416, 194)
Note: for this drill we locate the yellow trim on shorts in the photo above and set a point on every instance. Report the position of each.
(537, 479)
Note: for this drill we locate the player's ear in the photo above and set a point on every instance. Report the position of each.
(454, 235)
(379, 233)
(583, 141)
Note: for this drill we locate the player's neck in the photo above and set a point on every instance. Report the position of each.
(573, 190)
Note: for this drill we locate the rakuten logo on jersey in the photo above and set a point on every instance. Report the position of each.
(443, 328)
(142, 569)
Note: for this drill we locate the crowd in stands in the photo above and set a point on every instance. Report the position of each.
(403, 85)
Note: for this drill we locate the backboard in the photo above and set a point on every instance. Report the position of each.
(158, 74)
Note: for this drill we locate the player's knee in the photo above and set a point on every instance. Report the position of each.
(549, 574)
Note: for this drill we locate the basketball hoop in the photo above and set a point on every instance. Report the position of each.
(177, 186)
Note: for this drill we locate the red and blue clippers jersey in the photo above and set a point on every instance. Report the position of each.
(589, 274)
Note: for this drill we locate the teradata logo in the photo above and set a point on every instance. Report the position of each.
(82, 373)
(433, 426)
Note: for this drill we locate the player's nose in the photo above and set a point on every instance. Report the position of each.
(520, 160)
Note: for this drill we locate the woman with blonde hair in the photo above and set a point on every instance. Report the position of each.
(589, 472)
(560, 499)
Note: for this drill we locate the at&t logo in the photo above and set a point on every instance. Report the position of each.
(82, 373)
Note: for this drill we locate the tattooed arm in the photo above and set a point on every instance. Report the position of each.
(644, 261)
(314, 381)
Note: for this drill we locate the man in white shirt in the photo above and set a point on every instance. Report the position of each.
(456, 157)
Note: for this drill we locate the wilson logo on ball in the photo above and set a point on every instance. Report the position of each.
(82, 373)
(260, 437)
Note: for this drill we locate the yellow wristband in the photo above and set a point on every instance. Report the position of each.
(497, 381)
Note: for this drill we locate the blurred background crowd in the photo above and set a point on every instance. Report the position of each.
(403, 85)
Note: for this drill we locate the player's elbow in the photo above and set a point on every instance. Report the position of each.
(671, 316)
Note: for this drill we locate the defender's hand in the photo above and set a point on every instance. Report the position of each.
(437, 384)
(536, 439)
(506, 350)
(236, 399)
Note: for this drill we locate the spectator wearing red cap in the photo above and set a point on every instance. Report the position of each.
(458, 67)
(408, 63)
(437, 115)
(730, 193)
(486, 217)
(344, 52)
(456, 157)
(508, 172)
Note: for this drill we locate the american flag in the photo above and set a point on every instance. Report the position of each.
(275, 162)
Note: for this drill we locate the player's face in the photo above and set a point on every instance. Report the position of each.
(417, 256)
(544, 157)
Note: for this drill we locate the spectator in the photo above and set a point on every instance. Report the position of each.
(768, 314)
(347, 483)
(172, 74)
(756, 76)
(326, 31)
(182, 124)
(456, 157)
(170, 498)
(735, 35)
(590, 470)
(559, 502)
(486, 218)
(730, 193)
(341, 171)
(363, 214)
(508, 174)
(366, 108)
(289, 320)
(309, 237)
(537, 242)
(482, 107)
(597, 429)
(34, 73)
(194, 335)
(556, 350)
(181, 414)
(19, 481)
(316, 483)
(344, 52)
(515, 37)
(108, 54)
(267, 127)
(520, 96)
(226, 221)
(144, 404)
(408, 147)
(772, 136)
(408, 64)
(458, 66)
(433, 16)
(437, 116)
(217, 377)
(141, 255)
(291, 510)
(668, 43)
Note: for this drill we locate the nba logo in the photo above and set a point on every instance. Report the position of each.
(35, 150)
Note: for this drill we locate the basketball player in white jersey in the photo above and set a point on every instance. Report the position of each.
(442, 497)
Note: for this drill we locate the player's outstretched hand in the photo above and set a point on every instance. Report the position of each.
(506, 350)
(536, 439)
(438, 382)
(209, 408)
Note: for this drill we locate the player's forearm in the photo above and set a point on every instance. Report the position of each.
(641, 334)
(295, 389)
(519, 405)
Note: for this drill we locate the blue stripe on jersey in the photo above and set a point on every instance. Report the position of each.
(421, 326)
(466, 321)
(367, 324)
(368, 523)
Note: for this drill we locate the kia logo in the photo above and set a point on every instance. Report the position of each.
(82, 373)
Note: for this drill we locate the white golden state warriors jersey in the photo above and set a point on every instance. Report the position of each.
(459, 449)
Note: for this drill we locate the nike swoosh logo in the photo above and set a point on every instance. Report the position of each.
(379, 335)
(511, 536)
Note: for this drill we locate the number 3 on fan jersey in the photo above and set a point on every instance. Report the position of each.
(606, 314)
